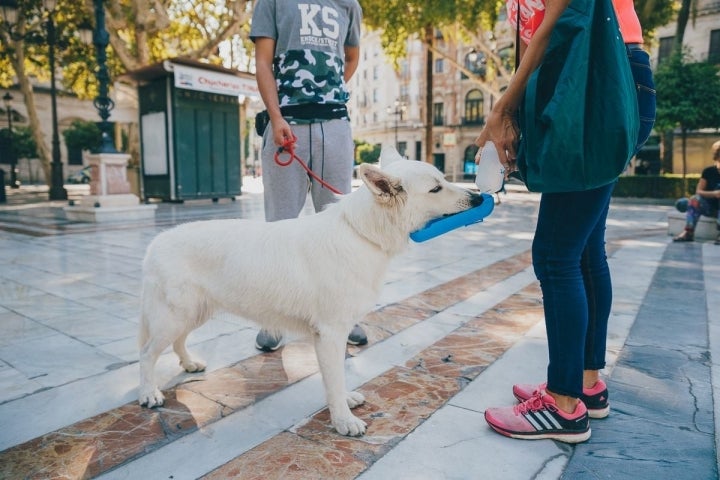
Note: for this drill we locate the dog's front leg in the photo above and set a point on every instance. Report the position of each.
(330, 351)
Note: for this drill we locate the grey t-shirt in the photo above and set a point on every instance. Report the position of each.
(310, 39)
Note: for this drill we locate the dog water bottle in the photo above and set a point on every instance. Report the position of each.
(490, 172)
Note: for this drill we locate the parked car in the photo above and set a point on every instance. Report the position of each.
(81, 176)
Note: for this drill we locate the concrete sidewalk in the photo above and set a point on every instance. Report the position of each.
(458, 322)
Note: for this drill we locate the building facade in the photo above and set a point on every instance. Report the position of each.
(389, 103)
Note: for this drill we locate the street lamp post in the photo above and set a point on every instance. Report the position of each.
(7, 98)
(9, 11)
(398, 110)
(103, 102)
(57, 190)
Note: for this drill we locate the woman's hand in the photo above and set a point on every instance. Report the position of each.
(502, 129)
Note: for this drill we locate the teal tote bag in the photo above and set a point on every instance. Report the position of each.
(579, 118)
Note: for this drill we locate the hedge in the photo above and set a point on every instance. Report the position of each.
(656, 186)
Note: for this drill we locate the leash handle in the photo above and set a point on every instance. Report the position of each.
(289, 147)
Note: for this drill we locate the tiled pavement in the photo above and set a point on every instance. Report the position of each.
(459, 321)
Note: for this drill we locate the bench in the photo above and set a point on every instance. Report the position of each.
(706, 228)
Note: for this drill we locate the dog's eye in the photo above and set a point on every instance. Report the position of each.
(436, 189)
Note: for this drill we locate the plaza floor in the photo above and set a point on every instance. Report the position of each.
(458, 322)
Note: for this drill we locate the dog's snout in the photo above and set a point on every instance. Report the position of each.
(475, 199)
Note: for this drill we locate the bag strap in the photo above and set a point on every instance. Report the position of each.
(517, 36)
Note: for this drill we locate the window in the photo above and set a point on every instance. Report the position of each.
(402, 148)
(438, 114)
(665, 49)
(474, 108)
(375, 72)
(404, 70)
(439, 65)
(714, 50)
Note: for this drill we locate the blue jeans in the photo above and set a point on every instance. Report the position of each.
(642, 74)
(698, 206)
(570, 262)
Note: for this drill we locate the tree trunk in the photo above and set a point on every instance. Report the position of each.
(684, 150)
(682, 20)
(18, 63)
(429, 34)
(667, 151)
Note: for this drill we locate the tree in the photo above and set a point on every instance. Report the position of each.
(400, 21)
(141, 33)
(83, 135)
(366, 153)
(653, 14)
(687, 95)
(23, 54)
(145, 32)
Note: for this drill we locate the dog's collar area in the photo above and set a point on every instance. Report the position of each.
(362, 234)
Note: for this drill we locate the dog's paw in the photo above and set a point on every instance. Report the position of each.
(151, 398)
(193, 365)
(350, 426)
(355, 399)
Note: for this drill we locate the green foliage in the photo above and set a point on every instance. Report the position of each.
(142, 33)
(654, 14)
(25, 146)
(366, 153)
(656, 186)
(22, 142)
(84, 135)
(688, 93)
(400, 20)
(31, 28)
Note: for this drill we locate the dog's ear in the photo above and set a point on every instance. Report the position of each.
(381, 184)
(389, 155)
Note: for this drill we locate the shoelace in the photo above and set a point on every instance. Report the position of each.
(533, 404)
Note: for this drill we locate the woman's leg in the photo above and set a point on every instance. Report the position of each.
(565, 224)
(598, 291)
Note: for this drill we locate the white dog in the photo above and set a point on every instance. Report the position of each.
(316, 274)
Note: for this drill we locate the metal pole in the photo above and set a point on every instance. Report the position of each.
(11, 151)
(57, 190)
(397, 144)
(103, 102)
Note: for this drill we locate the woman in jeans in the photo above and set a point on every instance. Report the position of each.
(568, 250)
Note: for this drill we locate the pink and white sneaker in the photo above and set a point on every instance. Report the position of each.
(595, 398)
(539, 417)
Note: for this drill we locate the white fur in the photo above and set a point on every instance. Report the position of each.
(316, 275)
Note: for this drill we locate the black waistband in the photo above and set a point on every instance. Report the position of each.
(315, 111)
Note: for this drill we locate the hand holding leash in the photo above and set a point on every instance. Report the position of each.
(288, 147)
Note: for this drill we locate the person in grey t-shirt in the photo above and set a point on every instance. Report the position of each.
(305, 53)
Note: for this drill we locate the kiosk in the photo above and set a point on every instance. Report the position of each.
(190, 119)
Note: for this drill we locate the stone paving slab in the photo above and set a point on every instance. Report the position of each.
(77, 284)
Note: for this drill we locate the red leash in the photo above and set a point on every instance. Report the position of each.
(289, 148)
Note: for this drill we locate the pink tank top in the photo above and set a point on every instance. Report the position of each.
(532, 13)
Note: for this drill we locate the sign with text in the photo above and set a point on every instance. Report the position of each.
(213, 82)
